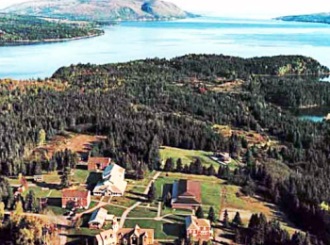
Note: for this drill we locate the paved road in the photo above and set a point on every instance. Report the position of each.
(159, 209)
(128, 210)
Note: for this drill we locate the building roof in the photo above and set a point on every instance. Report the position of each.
(69, 193)
(98, 216)
(189, 189)
(93, 161)
(138, 232)
(105, 236)
(192, 222)
(112, 171)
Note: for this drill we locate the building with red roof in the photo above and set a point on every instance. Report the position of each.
(198, 229)
(76, 198)
(98, 163)
(186, 194)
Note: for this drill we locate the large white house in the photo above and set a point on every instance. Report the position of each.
(113, 182)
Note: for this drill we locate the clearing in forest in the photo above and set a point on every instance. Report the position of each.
(80, 143)
(187, 156)
(252, 137)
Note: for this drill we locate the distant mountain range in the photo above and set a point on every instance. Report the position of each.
(100, 10)
(315, 18)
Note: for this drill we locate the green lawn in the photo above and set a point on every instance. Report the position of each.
(84, 231)
(187, 156)
(51, 178)
(38, 191)
(57, 210)
(80, 176)
(55, 193)
(114, 210)
(143, 213)
(163, 230)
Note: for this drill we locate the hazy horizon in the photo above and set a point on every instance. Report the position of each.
(239, 8)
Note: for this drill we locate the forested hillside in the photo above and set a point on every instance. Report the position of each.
(143, 104)
(16, 29)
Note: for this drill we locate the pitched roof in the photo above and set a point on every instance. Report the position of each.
(192, 222)
(203, 223)
(112, 169)
(98, 216)
(75, 193)
(189, 188)
(138, 232)
(100, 160)
(105, 236)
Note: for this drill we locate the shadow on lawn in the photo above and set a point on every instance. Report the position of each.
(137, 194)
(52, 201)
(166, 189)
(48, 185)
(137, 199)
(176, 230)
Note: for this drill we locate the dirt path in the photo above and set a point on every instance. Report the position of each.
(128, 210)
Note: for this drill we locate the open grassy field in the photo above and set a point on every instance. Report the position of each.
(220, 195)
(252, 137)
(187, 156)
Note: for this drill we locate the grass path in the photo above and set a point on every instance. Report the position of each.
(128, 210)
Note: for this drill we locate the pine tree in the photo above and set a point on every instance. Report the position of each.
(226, 219)
(211, 171)
(211, 216)
(199, 166)
(237, 219)
(154, 155)
(31, 203)
(179, 166)
(169, 165)
(200, 212)
(152, 195)
(65, 178)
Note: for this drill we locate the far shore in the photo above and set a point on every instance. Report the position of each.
(45, 41)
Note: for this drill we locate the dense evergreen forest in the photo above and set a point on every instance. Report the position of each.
(16, 29)
(143, 104)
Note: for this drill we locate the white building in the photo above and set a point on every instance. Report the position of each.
(113, 182)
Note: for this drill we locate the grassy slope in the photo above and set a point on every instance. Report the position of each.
(187, 156)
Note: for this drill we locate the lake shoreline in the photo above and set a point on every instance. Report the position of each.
(47, 41)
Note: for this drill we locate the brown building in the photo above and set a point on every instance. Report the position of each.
(135, 236)
(198, 229)
(186, 194)
(76, 198)
(98, 163)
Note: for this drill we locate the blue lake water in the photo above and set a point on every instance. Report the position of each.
(139, 40)
(312, 118)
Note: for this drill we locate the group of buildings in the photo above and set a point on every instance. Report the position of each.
(116, 235)
(112, 183)
(186, 194)
(196, 229)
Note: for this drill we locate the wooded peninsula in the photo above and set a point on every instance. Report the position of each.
(184, 102)
(20, 30)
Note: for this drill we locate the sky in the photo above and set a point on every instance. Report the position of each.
(242, 8)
